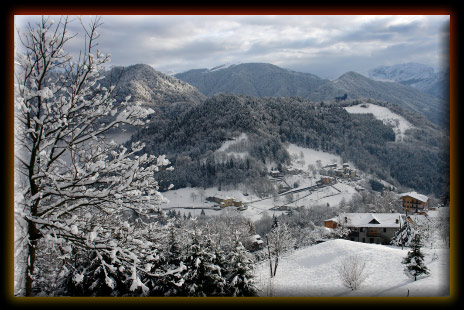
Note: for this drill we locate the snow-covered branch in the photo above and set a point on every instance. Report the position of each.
(65, 167)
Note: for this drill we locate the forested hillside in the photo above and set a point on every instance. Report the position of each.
(267, 80)
(190, 140)
(252, 79)
(359, 86)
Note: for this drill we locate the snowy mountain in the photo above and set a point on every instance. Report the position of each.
(266, 80)
(407, 73)
(416, 75)
(150, 87)
(252, 79)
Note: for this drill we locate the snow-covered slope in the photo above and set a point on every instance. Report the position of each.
(397, 122)
(236, 147)
(312, 271)
(416, 75)
(151, 87)
(403, 73)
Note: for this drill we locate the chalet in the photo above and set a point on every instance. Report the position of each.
(333, 170)
(275, 174)
(326, 180)
(376, 228)
(414, 202)
(237, 203)
(227, 202)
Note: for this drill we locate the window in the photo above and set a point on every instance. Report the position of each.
(361, 229)
(384, 230)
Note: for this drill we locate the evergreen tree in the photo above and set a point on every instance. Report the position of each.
(414, 261)
(204, 277)
(240, 271)
(93, 276)
(172, 269)
(274, 221)
(404, 236)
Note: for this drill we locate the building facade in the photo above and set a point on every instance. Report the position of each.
(376, 228)
(413, 202)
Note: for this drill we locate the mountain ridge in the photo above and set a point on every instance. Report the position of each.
(150, 87)
(267, 80)
(416, 75)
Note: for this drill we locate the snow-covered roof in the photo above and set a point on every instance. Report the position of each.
(415, 195)
(372, 219)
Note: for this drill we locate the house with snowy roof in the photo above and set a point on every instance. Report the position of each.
(414, 202)
(376, 228)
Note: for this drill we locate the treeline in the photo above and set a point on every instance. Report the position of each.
(184, 257)
(190, 139)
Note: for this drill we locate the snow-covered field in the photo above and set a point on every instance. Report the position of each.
(303, 157)
(312, 271)
(399, 123)
(193, 200)
(226, 146)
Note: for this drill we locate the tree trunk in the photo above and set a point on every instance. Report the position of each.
(31, 253)
(276, 262)
(269, 253)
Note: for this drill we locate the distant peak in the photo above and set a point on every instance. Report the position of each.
(140, 66)
(351, 74)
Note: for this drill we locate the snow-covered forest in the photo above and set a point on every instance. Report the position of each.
(90, 216)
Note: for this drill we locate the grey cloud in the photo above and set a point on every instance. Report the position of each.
(181, 43)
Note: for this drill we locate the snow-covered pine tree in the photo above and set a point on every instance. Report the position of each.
(89, 278)
(414, 261)
(71, 184)
(203, 277)
(405, 235)
(239, 272)
(170, 279)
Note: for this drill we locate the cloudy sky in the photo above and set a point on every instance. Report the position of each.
(327, 46)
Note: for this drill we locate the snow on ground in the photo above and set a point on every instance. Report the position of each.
(228, 145)
(312, 271)
(303, 157)
(399, 123)
(193, 200)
